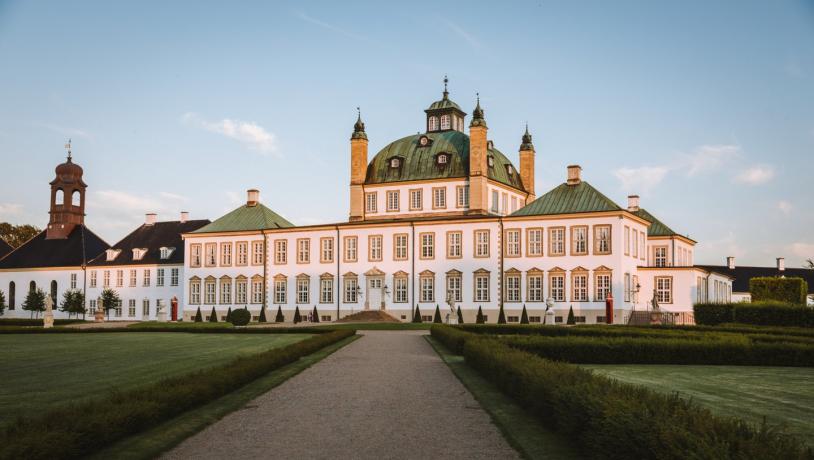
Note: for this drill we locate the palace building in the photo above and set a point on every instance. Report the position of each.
(435, 218)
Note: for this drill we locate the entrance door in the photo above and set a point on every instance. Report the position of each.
(174, 306)
(374, 293)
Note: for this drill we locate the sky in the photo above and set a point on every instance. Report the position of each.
(704, 109)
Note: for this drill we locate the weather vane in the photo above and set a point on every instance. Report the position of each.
(68, 147)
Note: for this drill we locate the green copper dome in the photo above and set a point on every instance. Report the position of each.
(416, 162)
(444, 103)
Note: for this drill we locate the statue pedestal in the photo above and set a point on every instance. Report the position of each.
(549, 318)
(48, 320)
(99, 316)
(655, 318)
(161, 317)
(452, 319)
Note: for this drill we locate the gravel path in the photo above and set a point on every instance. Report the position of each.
(386, 395)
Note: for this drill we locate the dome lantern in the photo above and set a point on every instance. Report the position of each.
(445, 115)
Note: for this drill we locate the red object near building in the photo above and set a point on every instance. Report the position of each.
(174, 304)
(609, 309)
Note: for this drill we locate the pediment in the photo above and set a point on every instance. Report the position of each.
(374, 272)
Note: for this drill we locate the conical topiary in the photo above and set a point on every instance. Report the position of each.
(229, 315)
(437, 317)
(417, 315)
(571, 319)
(460, 316)
(262, 318)
(198, 316)
(315, 314)
(524, 317)
(297, 317)
(480, 319)
(279, 318)
(213, 317)
(501, 317)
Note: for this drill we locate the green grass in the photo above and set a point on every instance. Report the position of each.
(188, 324)
(44, 370)
(165, 436)
(524, 432)
(783, 395)
(378, 326)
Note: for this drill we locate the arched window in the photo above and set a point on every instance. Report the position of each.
(54, 290)
(60, 197)
(444, 121)
(76, 198)
(12, 293)
(433, 123)
(32, 286)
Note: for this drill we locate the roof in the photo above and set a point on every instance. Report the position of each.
(153, 238)
(569, 199)
(419, 163)
(657, 227)
(5, 248)
(78, 248)
(742, 275)
(444, 103)
(246, 218)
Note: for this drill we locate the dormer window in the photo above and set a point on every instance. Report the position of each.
(433, 124)
(509, 169)
(491, 161)
(138, 253)
(166, 252)
(442, 159)
(424, 141)
(490, 145)
(111, 254)
(395, 163)
(445, 122)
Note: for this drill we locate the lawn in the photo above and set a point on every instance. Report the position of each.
(784, 395)
(41, 370)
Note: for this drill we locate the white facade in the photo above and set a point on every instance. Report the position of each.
(141, 288)
(15, 284)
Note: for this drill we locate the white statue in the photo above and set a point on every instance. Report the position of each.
(48, 319)
(452, 316)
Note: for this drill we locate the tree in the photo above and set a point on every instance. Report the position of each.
(460, 316)
(501, 317)
(524, 317)
(110, 300)
(279, 318)
(2, 303)
(417, 315)
(297, 317)
(229, 315)
(480, 319)
(262, 318)
(34, 302)
(810, 264)
(198, 316)
(73, 302)
(16, 235)
(436, 318)
(315, 315)
(571, 320)
(213, 317)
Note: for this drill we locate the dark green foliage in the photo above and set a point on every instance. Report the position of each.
(229, 315)
(198, 316)
(2, 303)
(524, 317)
(713, 313)
(297, 317)
(790, 290)
(480, 319)
(34, 301)
(73, 302)
(213, 317)
(460, 316)
(611, 420)
(79, 429)
(16, 235)
(417, 315)
(188, 327)
(262, 318)
(757, 313)
(279, 318)
(436, 318)
(452, 337)
(501, 317)
(23, 322)
(241, 317)
(110, 299)
(315, 314)
(571, 320)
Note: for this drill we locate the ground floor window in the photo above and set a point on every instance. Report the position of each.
(209, 292)
(427, 289)
(280, 296)
(535, 287)
(580, 288)
(400, 290)
(117, 311)
(351, 290)
(302, 291)
(602, 286)
(145, 308)
(257, 291)
(454, 287)
(557, 287)
(513, 288)
(241, 288)
(481, 288)
(131, 308)
(326, 290)
(664, 289)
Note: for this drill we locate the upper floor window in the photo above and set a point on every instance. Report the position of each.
(138, 253)
(393, 200)
(602, 239)
(166, 252)
(427, 245)
(303, 251)
(400, 246)
(512, 243)
(445, 122)
(495, 201)
(556, 241)
(257, 253)
(534, 243)
(462, 196)
(395, 162)
(326, 250)
(195, 255)
(211, 259)
(439, 198)
(416, 202)
(280, 251)
(660, 256)
(374, 243)
(442, 159)
(579, 240)
(433, 123)
(481, 243)
(370, 202)
(350, 248)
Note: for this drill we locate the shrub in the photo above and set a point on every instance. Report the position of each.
(417, 315)
(34, 301)
(213, 317)
(766, 313)
(452, 337)
(480, 319)
(436, 318)
(198, 317)
(315, 314)
(241, 317)
(571, 320)
(297, 317)
(20, 322)
(279, 318)
(229, 315)
(713, 313)
(262, 318)
(501, 317)
(2, 303)
(460, 316)
(524, 317)
(790, 290)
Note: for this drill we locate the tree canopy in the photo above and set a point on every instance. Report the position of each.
(16, 235)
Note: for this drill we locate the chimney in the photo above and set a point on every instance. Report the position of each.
(252, 197)
(781, 264)
(184, 216)
(150, 218)
(730, 262)
(574, 172)
(633, 203)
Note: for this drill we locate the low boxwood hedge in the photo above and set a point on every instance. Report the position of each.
(756, 313)
(610, 420)
(79, 429)
(36, 322)
(241, 317)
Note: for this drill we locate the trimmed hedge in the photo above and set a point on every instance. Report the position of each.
(790, 290)
(79, 429)
(757, 313)
(611, 420)
(216, 328)
(36, 322)
(713, 313)
(452, 337)
(241, 317)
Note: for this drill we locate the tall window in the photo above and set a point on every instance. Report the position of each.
(257, 253)
(628, 287)
(535, 287)
(416, 203)
(195, 255)
(209, 253)
(481, 243)
(303, 251)
(427, 284)
(351, 245)
(579, 240)
(427, 245)
(505, 203)
(602, 239)
(439, 197)
(73, 280)
(627, 240)
(209, 291)
(280, 291)
(534, 242)
(351, 289)
(445, 122)
(635, 243)
(257, 290)
(106, 279)
(146, 280)
(117, 309)
(641, 245)
(326, 290)
(664, 289)
(393, 200)
(159, 277)
(226, 291)
(326, 250)
(242, 253)
(174, 277)
(454, 245)
(54, 292)
(195, 292)
(481, 287)
(462, 196)
(145, 308)
(433, 124)
(556, 287)
(400, 246)
(93, 279)
(513, 288)
(120, 278)
(660, 256)
(226, 254)
(400, 283)
(12, 295)
(131, 308)
(513, 243)
(241, 290)
(374, 248)
(579, 283)
(370, 202)
(454, 286)
(495, 201)
(303, 296)
(602, 286)
(133, 276)
(556, 239)
(280, 251)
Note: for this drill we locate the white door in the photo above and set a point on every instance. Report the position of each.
(374, 293)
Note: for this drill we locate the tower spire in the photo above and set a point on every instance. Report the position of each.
(526, 142)
(68, 147)
(359, 126)
(446, 93)
(477, 114)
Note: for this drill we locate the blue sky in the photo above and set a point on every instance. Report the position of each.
(705, 109)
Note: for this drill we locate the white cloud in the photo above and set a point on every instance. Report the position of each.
(10, 209)
(249, 133)
(755, 175)
(708, 158)
(466, 36)
(640, 179)
(785, 207)
(804, 250)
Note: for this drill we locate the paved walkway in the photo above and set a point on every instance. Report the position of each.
(386, 395)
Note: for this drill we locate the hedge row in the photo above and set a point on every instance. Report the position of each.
(611, 420)
(190, 329)
(80, 429)
(734, 350)
(35, 322)
(756, 313)
(739, 328)
(791, 290)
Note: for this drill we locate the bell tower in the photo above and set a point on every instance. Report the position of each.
(527, 164)
(358, 168)
(67, 199)
(478, 166)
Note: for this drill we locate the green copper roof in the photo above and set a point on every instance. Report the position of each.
(657, 227)
(419, 163)
(246, 218)
(569, 199)
(444, 103)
